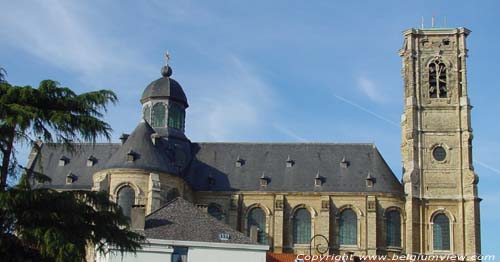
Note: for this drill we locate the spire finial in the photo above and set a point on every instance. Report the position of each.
(167, 58)
(166, 71)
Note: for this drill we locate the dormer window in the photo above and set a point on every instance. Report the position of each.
(239, 162)
(318, 180)
(210, 180)
(131, 156)
(63, 161)
(344, 163)
(91, 161)
(70, 178)
(370, 180)
(289, 162)
(264, 180)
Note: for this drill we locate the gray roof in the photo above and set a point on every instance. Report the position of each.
(48, 163)
(180, 220)
(148, 156)
(215, 168)
(165, 87)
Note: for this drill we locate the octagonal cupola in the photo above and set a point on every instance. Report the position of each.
(164, 105)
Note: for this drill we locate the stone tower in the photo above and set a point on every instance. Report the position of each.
(442, 203)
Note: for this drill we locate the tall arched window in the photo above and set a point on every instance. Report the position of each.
(441, 232)
(147, 114)
(256, 225)
(437, 79)
(215, 211)
(126, 199)
(158, 115)
(393, 228)
(301, 226)
(348, 228)
(175, 116)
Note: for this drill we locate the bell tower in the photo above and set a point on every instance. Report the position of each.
(442, 203)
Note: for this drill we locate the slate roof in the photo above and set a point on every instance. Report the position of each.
(149, 156)
(231, 166)
(180, 220)
(48, 163)
(215, 167)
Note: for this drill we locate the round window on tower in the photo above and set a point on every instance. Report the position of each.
(439, 153)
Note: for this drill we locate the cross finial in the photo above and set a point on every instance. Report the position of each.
(167, 58)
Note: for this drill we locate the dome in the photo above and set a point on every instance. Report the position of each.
(165, 87)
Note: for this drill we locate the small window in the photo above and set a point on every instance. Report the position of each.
(175, 117)
(439, 153)
(158, 115)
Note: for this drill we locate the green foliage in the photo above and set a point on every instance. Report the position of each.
(59, 225)
(50, 112)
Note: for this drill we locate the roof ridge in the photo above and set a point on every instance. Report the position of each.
(287, 143)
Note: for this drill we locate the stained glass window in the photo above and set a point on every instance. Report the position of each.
(301, 226)
(393, 228)
(348, 228)
(175, 116)
(441, 232)
(256, 224)
(158, 115)
(126, 199)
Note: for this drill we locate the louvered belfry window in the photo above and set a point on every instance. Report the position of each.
(175, 117)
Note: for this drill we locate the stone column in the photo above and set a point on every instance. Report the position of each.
(279, 203)
(371, 225)
(154, 193)
(234, 207)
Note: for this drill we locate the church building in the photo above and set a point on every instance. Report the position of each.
(333, 198)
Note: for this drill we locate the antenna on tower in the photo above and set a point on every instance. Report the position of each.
(422, 24)
(445, 22)
(432, 21)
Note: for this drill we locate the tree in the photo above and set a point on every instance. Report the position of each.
(44, 224)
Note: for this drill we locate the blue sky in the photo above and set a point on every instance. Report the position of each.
(297, 71)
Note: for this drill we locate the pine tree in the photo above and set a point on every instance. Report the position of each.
(43, 224)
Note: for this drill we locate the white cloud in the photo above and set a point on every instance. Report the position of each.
(288, 132)
(58, 33)
(370, 89)
(236, 105)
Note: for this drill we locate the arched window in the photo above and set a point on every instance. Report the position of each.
(348, 228)
(441, 232)
(256, 225)
(393, 228)
(437, 79)
(126, 199)
(147, 114)
(215, 211)
(158, 115)
(175, 116)
(301, 226)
